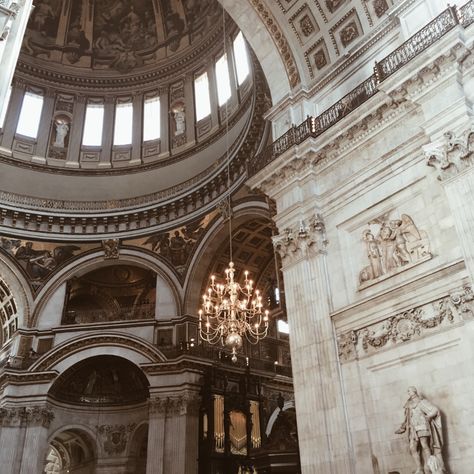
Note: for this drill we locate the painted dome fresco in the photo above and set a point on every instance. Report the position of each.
(118, 36)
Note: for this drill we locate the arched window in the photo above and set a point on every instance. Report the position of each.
(8, 312)
(223, 80)
(151, 119)
(202, 97)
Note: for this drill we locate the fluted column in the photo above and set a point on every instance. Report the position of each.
(13, 114)
(453, 159)
(156, 436)
(322, 429)
(24, 439)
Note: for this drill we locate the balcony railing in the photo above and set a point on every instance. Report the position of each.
(90, 316)
(315, 126)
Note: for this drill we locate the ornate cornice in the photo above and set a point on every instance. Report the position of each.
(306, 241)
(30, 416)
(407, 325)
(452, 154)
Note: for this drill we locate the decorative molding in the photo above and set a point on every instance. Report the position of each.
(392, 246)
(408, 325)
(115, 437)
(31, 416)
(111, 249)
(452, 154)
(70, 348)
(280, 42)
(304, 242)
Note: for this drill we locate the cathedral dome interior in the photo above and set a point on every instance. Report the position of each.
(236, 236)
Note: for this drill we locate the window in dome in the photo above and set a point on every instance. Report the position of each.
(241, 58)
(30, 115)
(203, 99)
(123, 128)
(151, 119)
(93, 125)
(223, 80)
(3, 112)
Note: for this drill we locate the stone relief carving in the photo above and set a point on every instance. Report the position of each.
(452, 154)
(392, 245)
(423, 426)
(407, 325)
(349, 33)
(306, 25)
(111, 248)
(115, 437)
(42, 416)
(293, 244)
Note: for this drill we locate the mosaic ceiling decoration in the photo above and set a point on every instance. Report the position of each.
(117, 35)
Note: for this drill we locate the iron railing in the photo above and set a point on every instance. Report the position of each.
(315, 126)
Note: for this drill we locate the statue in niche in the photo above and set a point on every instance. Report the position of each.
(179, 116)
(423, 427)
(62, 129)
(395, 244)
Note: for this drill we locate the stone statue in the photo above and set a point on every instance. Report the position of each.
(180, 119)
(422, 425)
(62, 129)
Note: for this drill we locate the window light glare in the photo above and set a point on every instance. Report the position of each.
(3, 111)
(93, 125)
(151, 119)
(202, 97)
(283, 327)
(241, 58)
(30, 115)
(223, 80)
(123, 124)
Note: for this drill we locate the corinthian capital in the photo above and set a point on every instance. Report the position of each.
(305, 241)
(452, 154)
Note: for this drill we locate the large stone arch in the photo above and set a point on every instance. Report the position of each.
(272, 50)
(166, 279)
(14, 278)
(215, 234)
(65, 355)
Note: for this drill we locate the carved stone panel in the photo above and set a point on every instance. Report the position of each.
(392, 245)
(407, 325)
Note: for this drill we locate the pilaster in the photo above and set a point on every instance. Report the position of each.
(318, 390)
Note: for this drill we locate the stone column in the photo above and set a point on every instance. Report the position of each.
(24, 439)
(322, 430)
(45, 126)
(453, 158)
(156, 435)
(107, 133)
(137, 133)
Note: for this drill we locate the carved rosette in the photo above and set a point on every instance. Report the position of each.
(169, 406)
(306, 241)
(30, 416)
(452, 154)
(407, 325)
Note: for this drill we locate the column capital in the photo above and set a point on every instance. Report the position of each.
(306, 240)
(452, 154)
(175, 405)
(32, 416)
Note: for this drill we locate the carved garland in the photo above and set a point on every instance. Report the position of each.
(407, 325)
(163, 406)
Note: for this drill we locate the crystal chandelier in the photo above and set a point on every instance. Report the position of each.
(231, 312)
